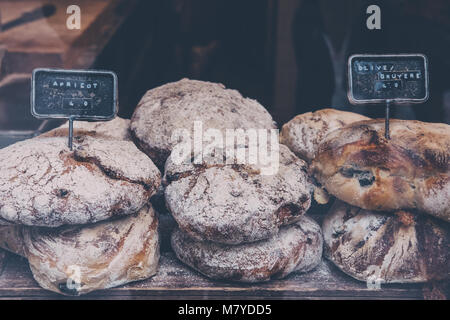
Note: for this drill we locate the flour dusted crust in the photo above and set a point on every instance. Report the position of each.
(386, 247)
(43, 183)
(117, 129)
(108, 254)
(177, 105)
(11, 239)
(297, 247)
(304, 133)
(410, 171)
(235, 203)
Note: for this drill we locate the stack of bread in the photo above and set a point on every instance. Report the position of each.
(233, 222)
(81, 217)
(390, 220)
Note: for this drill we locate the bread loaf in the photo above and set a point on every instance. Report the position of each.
(177, 105)
(235, 203)
(76, 260)
(43, 183)
(358, 165)
(297, 247)
(304, 133)
(388, 248)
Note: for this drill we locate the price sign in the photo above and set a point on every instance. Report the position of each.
(387, 79)
(399, 78)
(88, 95)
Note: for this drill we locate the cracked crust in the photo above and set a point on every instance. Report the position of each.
(232, 203)
(297, 247)
(108, 254)
(177, 105)
(410, 171)
(43, 183)
(391, 248)
(304, 133)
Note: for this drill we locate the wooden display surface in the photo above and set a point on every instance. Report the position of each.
(176, 281)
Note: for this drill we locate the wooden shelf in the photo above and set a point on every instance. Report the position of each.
(176, 281)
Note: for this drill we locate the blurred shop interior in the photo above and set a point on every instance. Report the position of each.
(290, 55)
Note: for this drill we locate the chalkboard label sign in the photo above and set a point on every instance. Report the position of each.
(398, 78)
(74, 94)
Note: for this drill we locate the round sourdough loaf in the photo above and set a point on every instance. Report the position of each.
(410, 171)
(305, 132)
(177, 105)
(43, 183)
(75, 260)
(385, 247)
(236, 203)
(297, 247)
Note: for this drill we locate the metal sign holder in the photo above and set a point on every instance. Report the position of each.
(83, 95)
(387, 79)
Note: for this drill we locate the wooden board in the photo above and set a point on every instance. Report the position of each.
(47, 42)
(176, 281)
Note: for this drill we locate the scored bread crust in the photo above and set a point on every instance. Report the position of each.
(43, 183)
(304, 133)
(385, 247)
(235, 203)
(177, 105)
(98, 256)
(358, 165)
(297, 247)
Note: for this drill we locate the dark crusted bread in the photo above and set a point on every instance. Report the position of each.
(389, 248)
(297, 247)
(304, 133)
(177, 105)
(236, 203)
(108, 253)
(43, 183)
(410, 171)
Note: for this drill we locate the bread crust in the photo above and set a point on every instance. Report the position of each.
(297, 247)
(177, 105)
(11, 239)
(304, 133)
(108, 254)
(410, 171)
(43, 183)
(386, 247)
(234, 203)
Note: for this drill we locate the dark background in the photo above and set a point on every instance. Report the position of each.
(278, 52)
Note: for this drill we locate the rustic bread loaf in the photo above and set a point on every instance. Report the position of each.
(410, 171)
(43, 183)
(235, 203)
(177, 105)
(385, 247)
(11, 239)
(75, 260)
(305, 132)
(297, 247)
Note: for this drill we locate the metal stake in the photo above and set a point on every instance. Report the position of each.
(386, 121)
(70, 133)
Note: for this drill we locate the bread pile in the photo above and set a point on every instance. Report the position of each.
(233, 223)
(81, 217)
(390, 220)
